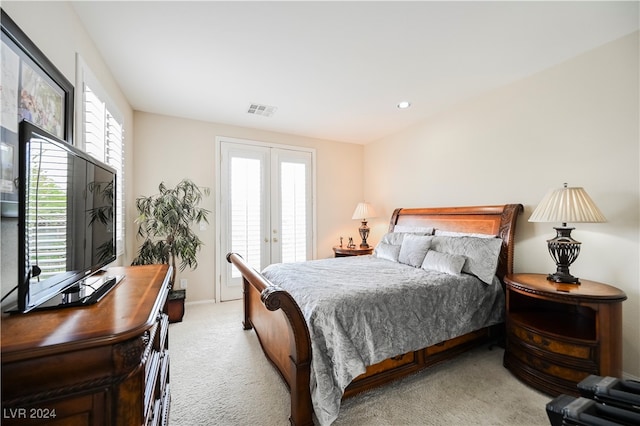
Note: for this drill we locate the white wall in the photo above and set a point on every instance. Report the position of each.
(56, 30)
(576, 123)
(169, 149)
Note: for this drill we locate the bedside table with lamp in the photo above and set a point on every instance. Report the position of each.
(362, 212)
(561, 329)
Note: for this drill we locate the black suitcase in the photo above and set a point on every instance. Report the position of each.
(567, 410)
(620, 393)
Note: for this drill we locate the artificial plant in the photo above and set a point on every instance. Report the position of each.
(165, 222)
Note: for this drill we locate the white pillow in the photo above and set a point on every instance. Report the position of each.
(413, 249)
(387, 251)
(443, 262)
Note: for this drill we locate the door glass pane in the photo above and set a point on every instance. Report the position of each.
(294, 211)
(245, 200)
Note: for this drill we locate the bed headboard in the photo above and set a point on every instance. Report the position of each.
(494, 220)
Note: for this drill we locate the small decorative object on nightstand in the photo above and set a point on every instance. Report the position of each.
(346, 251)
(566, 205)
(362, 212)
(559, 333)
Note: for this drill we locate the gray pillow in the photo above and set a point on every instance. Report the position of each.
(394, 238)
(413, 249)
(387, 251)
(481, 253)
(443, 262)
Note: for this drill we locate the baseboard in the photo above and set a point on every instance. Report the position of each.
(628, 376)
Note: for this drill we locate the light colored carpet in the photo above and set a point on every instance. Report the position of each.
(219, 376)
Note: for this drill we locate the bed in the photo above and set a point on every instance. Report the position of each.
(295, 316)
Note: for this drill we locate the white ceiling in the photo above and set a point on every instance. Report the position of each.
(336, 70)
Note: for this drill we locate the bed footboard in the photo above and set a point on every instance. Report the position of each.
(283, 334)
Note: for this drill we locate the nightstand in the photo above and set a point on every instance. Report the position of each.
(558, 334)
(344, 251)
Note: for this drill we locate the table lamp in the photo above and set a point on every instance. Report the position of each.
(566, 205)
(362, 212)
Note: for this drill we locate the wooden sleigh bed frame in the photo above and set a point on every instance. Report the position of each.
(282, 330)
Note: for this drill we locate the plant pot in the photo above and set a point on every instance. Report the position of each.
(175, 305)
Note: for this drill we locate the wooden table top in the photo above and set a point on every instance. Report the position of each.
(586, 290)
(125, 312)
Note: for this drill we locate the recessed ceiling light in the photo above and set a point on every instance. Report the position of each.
(404, 104)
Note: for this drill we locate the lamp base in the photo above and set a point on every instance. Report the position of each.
(564, 250)
(563, 278)
(364, 234)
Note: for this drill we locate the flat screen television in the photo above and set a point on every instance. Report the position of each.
(66, 223)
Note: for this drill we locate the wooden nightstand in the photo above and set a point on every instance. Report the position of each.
(558, 334)
(344, 251)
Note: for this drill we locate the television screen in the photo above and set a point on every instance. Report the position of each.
(66, 221)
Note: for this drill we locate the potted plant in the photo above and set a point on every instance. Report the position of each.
(165, 222)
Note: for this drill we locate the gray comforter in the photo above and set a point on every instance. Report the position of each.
(362, 310)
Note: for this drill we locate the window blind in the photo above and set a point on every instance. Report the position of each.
(103, 139)
(246, 232)
(46, 216)
(293, 211)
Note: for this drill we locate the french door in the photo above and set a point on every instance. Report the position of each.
(266, 208)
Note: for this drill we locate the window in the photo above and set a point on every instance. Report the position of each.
(102, 135)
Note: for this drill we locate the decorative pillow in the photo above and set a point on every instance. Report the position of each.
(413, 229)
(443, 262)
(387, 251)
(481, 253)
(394, 238)
(413, 249)
(461, 234)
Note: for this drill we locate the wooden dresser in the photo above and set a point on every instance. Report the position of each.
(104, 364)
(558, 334)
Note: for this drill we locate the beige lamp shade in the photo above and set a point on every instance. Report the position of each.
(567, 205)
(364, 211)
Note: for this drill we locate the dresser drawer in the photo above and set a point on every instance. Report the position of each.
(389, 364)
(573, 373)
(456, 341)
(551, 344)
(546, 383)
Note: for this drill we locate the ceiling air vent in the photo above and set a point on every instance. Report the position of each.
(259, 109)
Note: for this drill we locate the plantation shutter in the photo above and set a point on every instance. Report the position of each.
(103, 138)
(46, 215)
(246, 199)
(293, 211)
